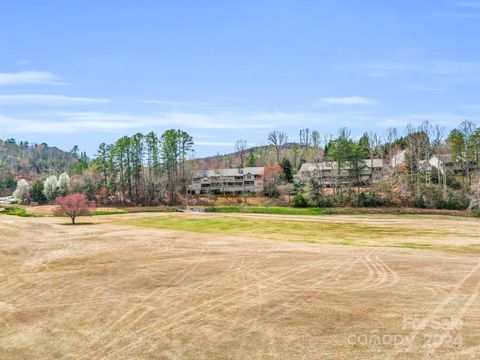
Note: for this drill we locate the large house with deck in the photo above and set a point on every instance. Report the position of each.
(328, 174)
(232, 181)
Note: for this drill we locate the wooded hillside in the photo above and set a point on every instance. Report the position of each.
(32, 161)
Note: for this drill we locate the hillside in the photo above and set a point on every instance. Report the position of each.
(262, 155)
(31, 161)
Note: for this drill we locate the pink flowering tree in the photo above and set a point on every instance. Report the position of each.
(74, 205)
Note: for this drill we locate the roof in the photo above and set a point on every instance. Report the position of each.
(230, 172)
(446, 158)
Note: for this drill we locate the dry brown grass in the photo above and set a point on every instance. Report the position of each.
(114, 291)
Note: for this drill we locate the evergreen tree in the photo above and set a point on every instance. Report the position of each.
(251, 161)
(287, 169)
(36, 193)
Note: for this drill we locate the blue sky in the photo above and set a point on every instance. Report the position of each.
(86, 72)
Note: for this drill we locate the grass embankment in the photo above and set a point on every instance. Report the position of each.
(338, 233)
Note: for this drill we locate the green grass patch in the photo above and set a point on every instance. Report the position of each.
(131, 211)
(113, 212)
(274, 210)
(345, 242)
(338, 233)
(16, 211)
(353, 211)
(414, 245)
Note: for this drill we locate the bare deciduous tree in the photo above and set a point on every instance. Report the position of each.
(277, 139)
(240, 148)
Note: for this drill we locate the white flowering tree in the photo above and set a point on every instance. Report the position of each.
(50, 187)
(63, 184)
(22, 192)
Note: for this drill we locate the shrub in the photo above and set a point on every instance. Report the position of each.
(17, 211)
(368, 199)
(299, 201)
(452, 203)
(419, 202)
(474, 207)
(325, 201)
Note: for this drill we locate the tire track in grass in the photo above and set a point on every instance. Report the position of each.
(297, 298)
(165, 292)
(286, 274)
(446, 301)
(207, 281)
(47, 285)
(382, 274)
(160, 291)
(262, 296)
(370, 276)
(459, 315)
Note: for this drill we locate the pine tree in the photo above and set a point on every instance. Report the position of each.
(287, 169)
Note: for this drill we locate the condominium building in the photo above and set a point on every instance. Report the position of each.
(221, 181)
(329, 175)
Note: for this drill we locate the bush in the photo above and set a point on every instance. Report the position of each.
(325, 202)
(452, 203)
(419, 202)
(17, 211)
(474, 207)
(372, 199)
(299, 201)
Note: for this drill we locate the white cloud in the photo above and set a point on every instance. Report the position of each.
(41, 99)
(85, 122)
(350, 100)
(26, 77)
(82, 122)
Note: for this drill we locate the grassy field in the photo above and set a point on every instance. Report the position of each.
(352, 232)
(239, 286)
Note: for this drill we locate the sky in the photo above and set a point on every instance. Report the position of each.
(86, 72)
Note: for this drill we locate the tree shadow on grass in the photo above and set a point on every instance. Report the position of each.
(78, 224)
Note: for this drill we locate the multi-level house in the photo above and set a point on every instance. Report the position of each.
(328, 174)
(220, 181)
(447, 162)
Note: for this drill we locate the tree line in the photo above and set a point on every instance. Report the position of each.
(148, 169)
(145, 169)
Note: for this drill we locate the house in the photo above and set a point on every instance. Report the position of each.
(398, 160)
(445, 162)
(329, 175)
(233, 181)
